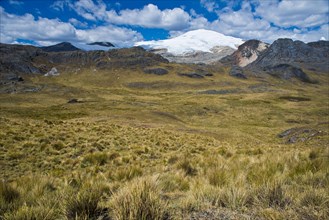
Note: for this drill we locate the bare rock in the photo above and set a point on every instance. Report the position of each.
(156, 71)
(52, 72)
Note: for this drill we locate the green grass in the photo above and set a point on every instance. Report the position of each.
(163, 150)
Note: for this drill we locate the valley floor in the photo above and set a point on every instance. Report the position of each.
(138, 146)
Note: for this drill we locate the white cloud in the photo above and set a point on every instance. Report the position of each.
(77, 23)
(15, 26)
(15, 2)
(301, 13)
(89, 10)
(247, 24)
(46, 31)
(303, 20)
(210, 5)
(116, 35)
(150, 16)
(59, 5)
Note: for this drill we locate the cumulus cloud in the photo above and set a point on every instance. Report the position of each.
(247, 23)
(14, 26)
(46, 31)
(116, 35)
(150, 16)
(301, 13)
(303, 20)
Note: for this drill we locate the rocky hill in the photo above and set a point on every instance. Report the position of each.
(61, 47)
(284, 58)
(313, 56)
(22, 59)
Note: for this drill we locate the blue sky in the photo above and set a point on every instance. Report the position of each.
(42, 22)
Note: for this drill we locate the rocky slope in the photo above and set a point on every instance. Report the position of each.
(20, 59)
(284, 58)
(313, 56)
(246, 53)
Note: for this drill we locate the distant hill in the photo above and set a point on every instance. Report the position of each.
(61, 47)
(22, 59)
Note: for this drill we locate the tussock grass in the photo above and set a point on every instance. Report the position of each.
(143, 148)
(141, 199)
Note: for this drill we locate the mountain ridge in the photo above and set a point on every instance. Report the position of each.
(60, 47)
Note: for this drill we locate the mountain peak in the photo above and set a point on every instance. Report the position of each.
(200, 40)
(61, 47)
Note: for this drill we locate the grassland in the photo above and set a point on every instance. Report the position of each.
(141, 146)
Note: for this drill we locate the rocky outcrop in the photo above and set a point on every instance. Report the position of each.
(237, 72)
(156, 71)
(303, 134)
(246, 53)
(198, 75)
(52, 72)
(249, 52)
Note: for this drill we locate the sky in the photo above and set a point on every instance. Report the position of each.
(124, 22)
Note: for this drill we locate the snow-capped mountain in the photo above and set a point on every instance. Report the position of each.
(199, 45)
(193, 41)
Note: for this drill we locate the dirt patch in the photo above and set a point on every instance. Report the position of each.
(295, 98)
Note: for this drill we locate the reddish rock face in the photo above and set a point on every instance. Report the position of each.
(249, 52)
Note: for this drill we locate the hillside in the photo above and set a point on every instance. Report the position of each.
(123, 132)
